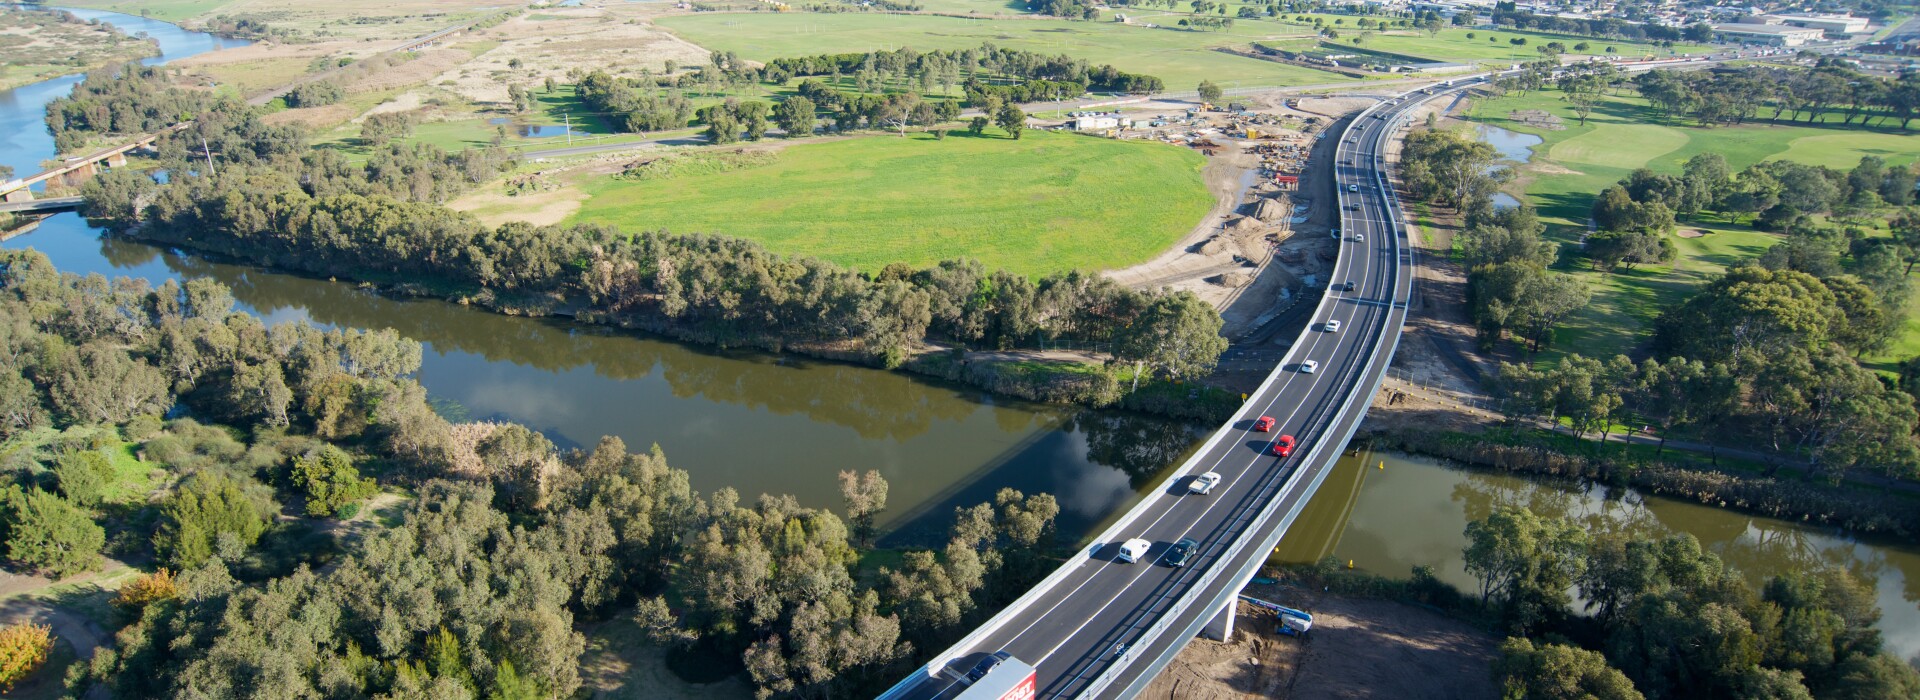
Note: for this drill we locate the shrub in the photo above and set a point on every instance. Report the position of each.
(85, 477)
(329, 481)
(196, 516)
(23, 648)
(47, 533)
(146, 590)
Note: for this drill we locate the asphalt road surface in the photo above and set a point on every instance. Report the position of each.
(1073, 631)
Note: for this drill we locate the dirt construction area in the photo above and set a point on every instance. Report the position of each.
(1358, 648)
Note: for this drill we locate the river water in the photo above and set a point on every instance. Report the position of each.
(768, 424)
(755, 422)
(1388, 513)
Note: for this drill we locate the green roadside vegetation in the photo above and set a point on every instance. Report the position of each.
(1181, 58)
(1044, 203)
(1623, 133)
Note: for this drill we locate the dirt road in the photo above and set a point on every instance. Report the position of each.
(1358, 648)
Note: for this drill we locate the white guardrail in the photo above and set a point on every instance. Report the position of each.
(1120, 526)
(1287, 484)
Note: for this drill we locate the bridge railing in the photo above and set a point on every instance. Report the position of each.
(1113, 532)
(1284, 483)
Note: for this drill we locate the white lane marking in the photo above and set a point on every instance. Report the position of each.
(1212, 502)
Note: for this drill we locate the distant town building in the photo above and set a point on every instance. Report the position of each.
(1767, 34)
(1831, 24)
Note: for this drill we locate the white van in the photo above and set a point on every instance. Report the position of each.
(1132, 550)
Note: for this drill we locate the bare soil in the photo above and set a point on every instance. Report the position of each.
(1358, 648)
(616, 38)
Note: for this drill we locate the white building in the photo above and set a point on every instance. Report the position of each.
(1095, 123)
(1831, 24)
(1767, 34)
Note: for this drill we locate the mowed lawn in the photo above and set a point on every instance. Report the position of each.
(1046, 203)
(1571, 166)
(1181, 58)
(1493, 44)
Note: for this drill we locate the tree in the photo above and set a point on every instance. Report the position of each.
(977, 125)
(197, 518)
(1011, 119)
(23, 648)
(1433, 25)
(85, 476)
(752, 115)
(329, 481)
(1558, 672)
(1210, 92)
(380, 128)
(721, 127)
(1525, 563)
(1178, 335)
(46, 533)
(795, 115)
(865, 496)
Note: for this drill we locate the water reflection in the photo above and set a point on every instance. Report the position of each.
(755, 422)
(1414, 512)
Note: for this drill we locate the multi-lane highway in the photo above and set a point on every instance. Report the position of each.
(1099, 627)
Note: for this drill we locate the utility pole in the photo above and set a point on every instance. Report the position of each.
(208, 151)
(568, 116)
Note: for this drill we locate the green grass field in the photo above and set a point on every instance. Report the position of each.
(1492, 45)
(1045, 203)
(163, 10)
(1570, 166)
(1181, 58)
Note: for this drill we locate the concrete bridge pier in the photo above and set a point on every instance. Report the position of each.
(1220, 628)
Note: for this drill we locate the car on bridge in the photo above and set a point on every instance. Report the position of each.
(986, 665)
(1283, 446)
(1309, 367)
(1179, 553)
(1333, 326)
(1204, 483)
(1132, 550)
(1353, 188)
(1264, 424)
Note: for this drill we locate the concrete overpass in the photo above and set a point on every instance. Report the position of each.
(1098, 628)
(76, 170)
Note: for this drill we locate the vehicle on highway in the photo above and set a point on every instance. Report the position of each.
(1132, 550)
(1353, 188)
(986, 666)
(1179, 553)
(1204, 483)
(1309, 366)
(1359, 238)
(1263, 425)
(1333, 326)
(1346, 286)
(1283, 446)
(1353, 207)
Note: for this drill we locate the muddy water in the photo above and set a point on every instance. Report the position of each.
(753, 422)
(1389, 513)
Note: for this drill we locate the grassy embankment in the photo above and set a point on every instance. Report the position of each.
(1181, 58)
(36, 46)
(1045, 203)
(1570, 166)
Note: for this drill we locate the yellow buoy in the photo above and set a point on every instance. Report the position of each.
(1349, 563)
(1383, 465)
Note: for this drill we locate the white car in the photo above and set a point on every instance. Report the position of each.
(1203, 483)
(1309, 366)
(1353, 188)
(1333, 326)
(1359, 238)
(1132, 550)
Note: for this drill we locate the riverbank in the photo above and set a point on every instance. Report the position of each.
(1527, 452)
(42, 44)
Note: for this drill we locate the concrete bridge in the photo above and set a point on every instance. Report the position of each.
(76, 170)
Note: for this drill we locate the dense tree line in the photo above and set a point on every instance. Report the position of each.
(1829, 89)
(1760, 354)
(987, 64)
(703, 288)
(1507, 14)
(634, 106)
(138, 99)
(1668, 619)
(508, 543)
